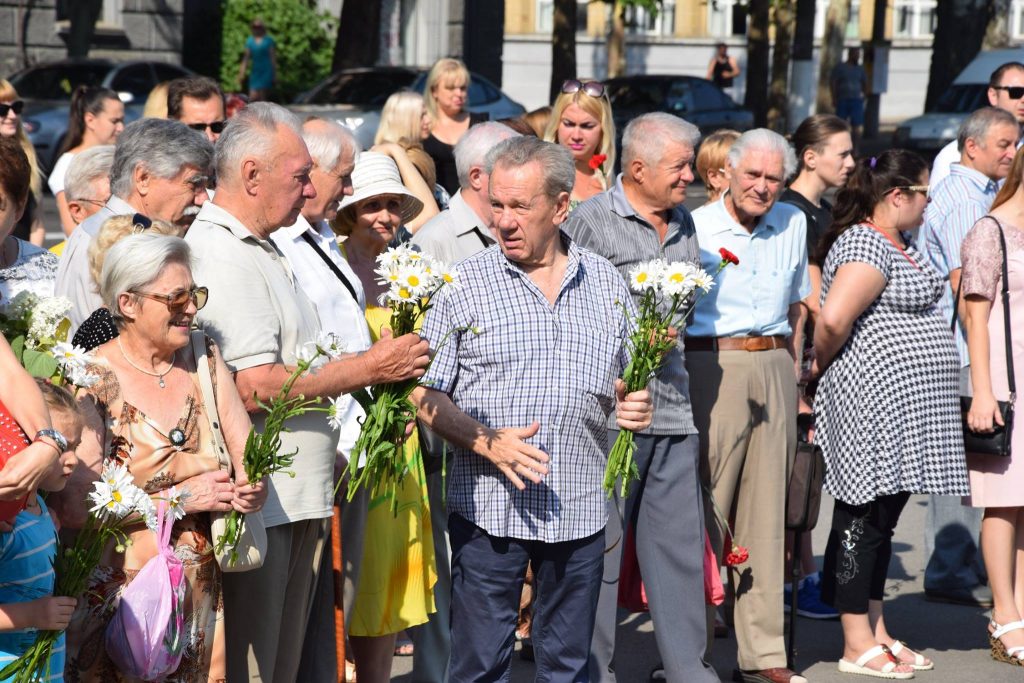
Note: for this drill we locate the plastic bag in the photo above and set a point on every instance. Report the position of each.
(146, 637)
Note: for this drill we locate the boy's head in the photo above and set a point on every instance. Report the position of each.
(67, 419)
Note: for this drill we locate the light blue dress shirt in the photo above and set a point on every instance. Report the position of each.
(753, 298)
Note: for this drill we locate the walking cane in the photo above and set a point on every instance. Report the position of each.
(338, 570)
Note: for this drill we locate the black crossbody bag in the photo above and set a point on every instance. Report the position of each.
(996, 442)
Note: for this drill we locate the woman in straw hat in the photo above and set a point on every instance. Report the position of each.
(397, 574)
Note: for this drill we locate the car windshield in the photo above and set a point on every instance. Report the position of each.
(56, 82)
(367, 89)
(962, 99)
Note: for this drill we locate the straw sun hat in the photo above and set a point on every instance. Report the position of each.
(376, 174)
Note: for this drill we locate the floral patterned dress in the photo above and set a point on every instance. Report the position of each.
(146, 450)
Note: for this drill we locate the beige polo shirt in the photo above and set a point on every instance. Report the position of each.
(258, 315)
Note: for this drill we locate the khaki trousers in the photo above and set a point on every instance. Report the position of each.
(744, 406)
(267, 609)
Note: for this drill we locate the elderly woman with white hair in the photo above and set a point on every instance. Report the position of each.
(397, 575)
(155, 420)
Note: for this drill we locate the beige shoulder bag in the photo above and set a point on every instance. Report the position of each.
(252, 546)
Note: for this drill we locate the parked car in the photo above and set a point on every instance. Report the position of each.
(46, 90)
(697, 100)
(931, 131)
(354, 97)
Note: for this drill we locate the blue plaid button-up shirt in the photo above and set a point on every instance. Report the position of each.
(533, 361)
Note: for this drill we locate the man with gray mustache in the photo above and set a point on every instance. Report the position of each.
(161, 169)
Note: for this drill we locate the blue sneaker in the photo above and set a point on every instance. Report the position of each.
(808, 599)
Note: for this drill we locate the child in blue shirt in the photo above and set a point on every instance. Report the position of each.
(27, 552)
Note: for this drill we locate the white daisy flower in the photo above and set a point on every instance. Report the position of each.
(677, 278)
(334, 412)
(644, 276)
(176, 501)
(115, 494)
(69, 356)
(331, 344)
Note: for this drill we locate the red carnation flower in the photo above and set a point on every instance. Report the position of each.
(737, 556)
(729, 256)
(596, 161)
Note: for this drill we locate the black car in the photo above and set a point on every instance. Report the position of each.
(697, 100)
(46, 90)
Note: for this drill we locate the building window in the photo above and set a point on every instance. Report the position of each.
(1016, 27)
(727, 18)
(852, 22)
(641, 22)
(546, 16)
(914, 18)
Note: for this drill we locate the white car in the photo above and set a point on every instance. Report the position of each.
(933, 130)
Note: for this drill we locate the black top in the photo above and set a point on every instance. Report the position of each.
(717, 77)
(97, 329)
(23, 228)
(444, 157)
(819, 219)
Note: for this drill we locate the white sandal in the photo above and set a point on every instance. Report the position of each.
(1001, 653)
(888, 670)
(919, 663)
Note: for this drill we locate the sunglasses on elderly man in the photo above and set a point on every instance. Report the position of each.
(1015, 92)
(16, 106)
(216, 127)
(177, 303)
(592, 88)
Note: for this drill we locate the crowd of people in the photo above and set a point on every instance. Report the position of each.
(874, 311)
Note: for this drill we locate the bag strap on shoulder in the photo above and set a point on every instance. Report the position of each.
(1005, 294)
(209, 397)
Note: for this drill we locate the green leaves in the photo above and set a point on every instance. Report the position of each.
(304, 37)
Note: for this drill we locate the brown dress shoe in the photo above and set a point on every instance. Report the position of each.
(776, 675)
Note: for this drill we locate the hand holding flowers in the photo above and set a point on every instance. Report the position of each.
(668, 295)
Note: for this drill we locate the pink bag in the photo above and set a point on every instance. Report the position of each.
(146, 637)
(714, 592)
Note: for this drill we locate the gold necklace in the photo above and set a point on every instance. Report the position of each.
(158, 375)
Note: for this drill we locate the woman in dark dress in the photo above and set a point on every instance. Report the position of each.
(445, 96)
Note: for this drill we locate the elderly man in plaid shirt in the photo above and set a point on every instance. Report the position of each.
(523, 389)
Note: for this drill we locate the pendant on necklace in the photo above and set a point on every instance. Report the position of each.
(177, 438)
(162, 385)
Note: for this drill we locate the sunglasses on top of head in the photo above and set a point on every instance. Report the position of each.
(216, 126)
(592, 88)
(16, 106)
(178, 302)
(1015, 92)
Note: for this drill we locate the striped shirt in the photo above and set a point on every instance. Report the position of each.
(26, 573)
(608, 225)
(531, 361)
(957, 202)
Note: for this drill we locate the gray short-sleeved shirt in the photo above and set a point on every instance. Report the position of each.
(258, 315)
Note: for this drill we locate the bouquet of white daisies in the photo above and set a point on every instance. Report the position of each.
(412, 279)
(668, 294)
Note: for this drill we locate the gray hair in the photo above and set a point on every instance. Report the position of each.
(644, 137)
(161, 146)
(766, 140)
(86, 168)
(327, 146)
(134, 262)
(976, 126)
(250, 133)
(555, 161)
(471, 150)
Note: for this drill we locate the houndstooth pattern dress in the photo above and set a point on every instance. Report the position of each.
(887, 408)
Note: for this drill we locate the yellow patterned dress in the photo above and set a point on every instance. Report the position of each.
(145, 449)
(397, 576)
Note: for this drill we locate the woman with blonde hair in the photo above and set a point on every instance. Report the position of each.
(404, 116)
(156, 103)
(405, 123)
(711, 162)
(30, 227)
(445, 96)
(581, 120)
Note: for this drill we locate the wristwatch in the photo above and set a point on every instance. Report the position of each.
(58, 438)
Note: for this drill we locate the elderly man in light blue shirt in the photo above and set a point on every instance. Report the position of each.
(987, 141)
(743, 374)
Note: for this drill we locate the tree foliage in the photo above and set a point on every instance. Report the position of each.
(304, 37)
(960, 28)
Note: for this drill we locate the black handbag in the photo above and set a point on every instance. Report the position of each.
(803, 495)
(996, 442)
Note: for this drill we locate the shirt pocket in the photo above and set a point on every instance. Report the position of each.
(776, 296)
(596, 354)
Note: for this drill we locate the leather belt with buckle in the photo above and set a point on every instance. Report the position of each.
(715, 344)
